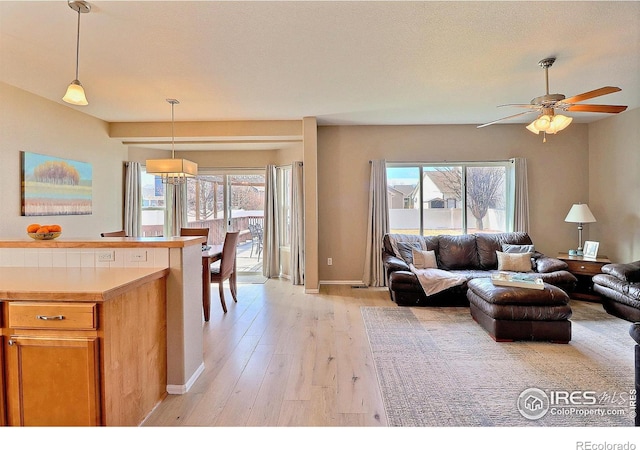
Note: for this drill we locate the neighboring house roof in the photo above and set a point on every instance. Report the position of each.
(405, 189)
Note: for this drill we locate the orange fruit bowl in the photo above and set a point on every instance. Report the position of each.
(44, 236)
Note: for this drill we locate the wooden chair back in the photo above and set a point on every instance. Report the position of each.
(114, 234)
(196, 232)
(227, 263)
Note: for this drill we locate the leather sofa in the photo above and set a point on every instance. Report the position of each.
(471, 255)
(619, 286)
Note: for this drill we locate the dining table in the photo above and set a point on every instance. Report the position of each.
(210, 254)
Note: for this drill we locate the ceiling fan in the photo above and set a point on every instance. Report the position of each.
(548, 121)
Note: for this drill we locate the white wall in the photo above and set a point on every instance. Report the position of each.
(31, 123)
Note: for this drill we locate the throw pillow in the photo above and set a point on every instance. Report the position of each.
(406, 248)
(424, 259)
(545, 264)
(513, 248)
(514, 262)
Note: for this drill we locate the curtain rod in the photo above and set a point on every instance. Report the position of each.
(445, 162)
(290, 165)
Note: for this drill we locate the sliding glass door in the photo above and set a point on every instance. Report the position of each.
(230, 201)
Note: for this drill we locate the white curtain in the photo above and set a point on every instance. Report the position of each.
(521, 207)
(270, 242)
(377, 226)
(297, 223)
(133, 199)
(175, 214)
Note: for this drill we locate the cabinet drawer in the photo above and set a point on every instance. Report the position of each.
(59, 316)
(584, 267)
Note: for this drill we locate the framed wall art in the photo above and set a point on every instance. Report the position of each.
(54, 186)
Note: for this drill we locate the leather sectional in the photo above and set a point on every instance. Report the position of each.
(471, 255)
(619, 286)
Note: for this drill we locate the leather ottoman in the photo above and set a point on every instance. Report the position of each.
(518, 314)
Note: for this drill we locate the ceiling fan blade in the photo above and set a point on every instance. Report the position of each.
(521, 105)
(613, 109)
(591, 94)
(505, 118)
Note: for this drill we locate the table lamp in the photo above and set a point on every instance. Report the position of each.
(579, 213)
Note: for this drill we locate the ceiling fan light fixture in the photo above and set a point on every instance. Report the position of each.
(542, 123)
(559, 123)
(532, 127)
(547, 121)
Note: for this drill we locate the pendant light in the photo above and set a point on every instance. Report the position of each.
(75, 92)
(172, 171)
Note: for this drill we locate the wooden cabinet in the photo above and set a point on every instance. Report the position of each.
(52, 364)
(52, 381)
(70, 362)
(584, 269)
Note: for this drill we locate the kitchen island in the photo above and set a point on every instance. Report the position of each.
(84, 266)
(82, 346)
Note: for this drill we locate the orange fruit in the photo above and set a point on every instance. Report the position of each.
(43, 229)
(32, 228)
(55, 228)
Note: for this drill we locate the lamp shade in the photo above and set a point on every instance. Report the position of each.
(580, 213)
(172, 168)
(532, 127)
(75, 94)
(559, 123)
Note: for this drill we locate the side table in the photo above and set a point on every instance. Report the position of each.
(584, 269)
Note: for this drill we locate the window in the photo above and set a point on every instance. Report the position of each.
(153, 205)
(457, 198)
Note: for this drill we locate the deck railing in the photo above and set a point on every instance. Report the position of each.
(216, 228)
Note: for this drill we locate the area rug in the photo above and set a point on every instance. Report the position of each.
(437, 367)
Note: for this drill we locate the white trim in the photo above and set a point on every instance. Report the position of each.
(353, 282)
(312, 291)
(179, 389)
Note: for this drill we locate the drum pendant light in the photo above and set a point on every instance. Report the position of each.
(172, 171)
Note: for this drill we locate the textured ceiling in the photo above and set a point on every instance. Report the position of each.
(343, 62)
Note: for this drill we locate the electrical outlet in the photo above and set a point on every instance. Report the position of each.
(106, 256)
(139, 256)
(329, 261)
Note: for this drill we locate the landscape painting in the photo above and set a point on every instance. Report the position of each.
(54, 186)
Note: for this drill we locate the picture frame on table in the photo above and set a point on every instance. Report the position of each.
(591, 249)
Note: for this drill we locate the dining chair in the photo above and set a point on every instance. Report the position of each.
(227, 268)
(114, 234)
(256, 239)
(196, 232)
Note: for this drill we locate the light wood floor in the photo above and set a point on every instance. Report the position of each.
(280, 357)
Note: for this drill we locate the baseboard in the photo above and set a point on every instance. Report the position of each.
(179, 389)
(358, 283)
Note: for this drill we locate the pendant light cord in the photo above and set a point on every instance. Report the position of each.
(78, 45)
(173, 134)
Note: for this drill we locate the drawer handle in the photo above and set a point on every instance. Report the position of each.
(582, 267)
(60, 317)
(11, 342)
